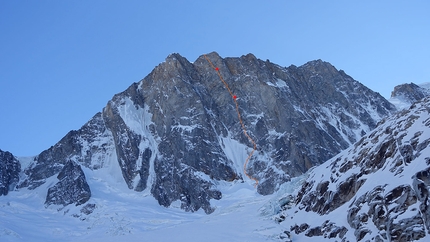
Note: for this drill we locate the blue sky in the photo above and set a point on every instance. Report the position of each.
(61, 61)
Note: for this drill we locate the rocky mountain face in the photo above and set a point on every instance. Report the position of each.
(376, 190)
(72, 187)
(405, 95)
(10, 169)
(176, 133)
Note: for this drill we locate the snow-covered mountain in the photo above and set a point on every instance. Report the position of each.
(376, 190)
(175, 138)
(405, 95)
(176, 133)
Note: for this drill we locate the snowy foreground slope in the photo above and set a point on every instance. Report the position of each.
(377, 190)
(123, 215)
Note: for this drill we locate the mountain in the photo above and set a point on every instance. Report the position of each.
(376, 190)
(405, 95)
(176, 135)
(10, 169)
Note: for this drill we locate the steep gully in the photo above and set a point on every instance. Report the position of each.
(240, 120)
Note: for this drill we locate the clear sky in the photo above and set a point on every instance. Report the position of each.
(61, 61)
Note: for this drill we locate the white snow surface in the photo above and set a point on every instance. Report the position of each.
(124, 215)
(279, 83)
(400, 102)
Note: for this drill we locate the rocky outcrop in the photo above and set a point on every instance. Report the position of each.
(385, 210)
(380, 185)
(9, 172)
(72, 187)
(91, 146)
(411, 92)
(176, 133)
(405, 95)
(326, 230)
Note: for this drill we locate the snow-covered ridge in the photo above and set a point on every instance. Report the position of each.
(405, 95)
(375, 190)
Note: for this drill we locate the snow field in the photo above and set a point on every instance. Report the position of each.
(124, 215)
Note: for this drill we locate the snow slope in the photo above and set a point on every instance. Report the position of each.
(124, 215)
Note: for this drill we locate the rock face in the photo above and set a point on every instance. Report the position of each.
(72, 187)
(9, 172)
(405, 95)
(380, 186)
(176, 133)
(91, 146)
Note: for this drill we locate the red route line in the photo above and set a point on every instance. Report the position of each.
(240, 120)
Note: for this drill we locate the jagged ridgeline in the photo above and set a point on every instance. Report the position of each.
(176, 133)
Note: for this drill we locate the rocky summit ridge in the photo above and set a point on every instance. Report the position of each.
(176, 135)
